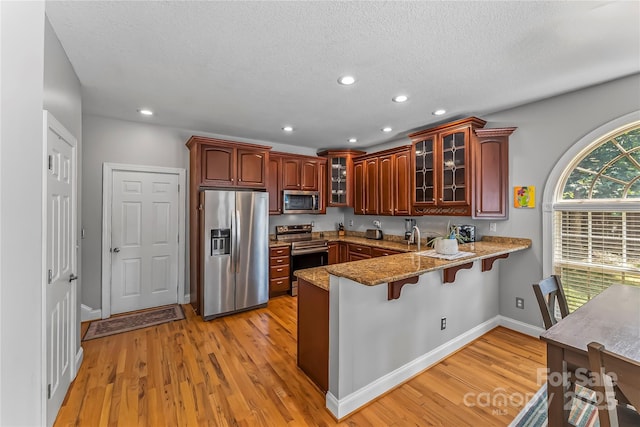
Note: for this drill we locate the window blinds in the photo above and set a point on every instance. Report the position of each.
(594, 249)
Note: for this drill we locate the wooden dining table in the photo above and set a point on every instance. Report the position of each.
(613, 319)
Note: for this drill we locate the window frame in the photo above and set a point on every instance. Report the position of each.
(552, 196)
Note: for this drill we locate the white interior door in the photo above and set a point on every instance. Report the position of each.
(61, 264)
(144, 240)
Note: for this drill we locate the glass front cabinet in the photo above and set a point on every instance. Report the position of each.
(340, 176)
(441, 179)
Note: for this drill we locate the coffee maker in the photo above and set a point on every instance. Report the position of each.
(409, 223)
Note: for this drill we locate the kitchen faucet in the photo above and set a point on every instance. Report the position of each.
(417, 230)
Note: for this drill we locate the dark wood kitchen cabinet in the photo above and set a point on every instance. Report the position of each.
(359, 189)
(358, 252)
(442, 168)
(491, 173)
(343, 252)
(217, 163)
(322, 186)
(279, 269)
(371, 187)
(394, 181)
(299, 173)
(382, 182)
(340, 176)
(402, 184)
(377, 252)
(387, 184)
(274, 184)
(313, 333)
(224, 164)
(334, 253)
(365, 186)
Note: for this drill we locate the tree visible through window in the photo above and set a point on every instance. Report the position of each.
(597, 218)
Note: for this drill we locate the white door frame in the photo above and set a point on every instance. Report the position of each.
(107, 193)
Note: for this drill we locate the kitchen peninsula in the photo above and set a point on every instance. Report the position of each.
(366, 326)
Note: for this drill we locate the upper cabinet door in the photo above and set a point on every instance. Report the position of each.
(322, 185)
(455, 169)
(290, 173)
(309, 176)
(252, 168)
(387, 184)
(402, 187)
(274, 185)
(442, 178)
(218, 166)
(371, 185)
(491, 173)
(358, 187)
(424, 154)
(339, 180)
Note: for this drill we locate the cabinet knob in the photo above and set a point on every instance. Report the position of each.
(478, 211)
(239, 179)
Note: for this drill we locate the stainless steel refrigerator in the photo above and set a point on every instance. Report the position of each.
(235, 252)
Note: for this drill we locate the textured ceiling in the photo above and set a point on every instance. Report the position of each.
(246, 69)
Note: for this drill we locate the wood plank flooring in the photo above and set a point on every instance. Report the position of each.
(241, 371)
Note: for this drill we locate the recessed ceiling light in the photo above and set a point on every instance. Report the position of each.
(387, 129)
(352, 140)
(439, 112)
(287, 129)
(346, 80)
(145, 112)
(400, 98)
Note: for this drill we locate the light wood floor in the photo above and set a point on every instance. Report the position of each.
(241, 371)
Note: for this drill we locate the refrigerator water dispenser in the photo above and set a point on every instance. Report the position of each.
(220, 241)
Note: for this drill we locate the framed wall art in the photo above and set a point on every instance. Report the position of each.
(524, 197)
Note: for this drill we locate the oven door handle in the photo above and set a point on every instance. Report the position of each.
(309, 251)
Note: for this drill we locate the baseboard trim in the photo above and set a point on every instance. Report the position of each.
(79, 359)
(340, 408)
(519, 326)
(87, 313)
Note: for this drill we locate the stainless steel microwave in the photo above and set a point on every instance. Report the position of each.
(296, 201)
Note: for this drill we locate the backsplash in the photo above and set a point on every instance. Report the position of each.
(430, 226)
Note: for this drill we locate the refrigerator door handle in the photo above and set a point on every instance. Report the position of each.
(237, 242)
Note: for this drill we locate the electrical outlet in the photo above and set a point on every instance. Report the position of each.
(492, 226)
(443, 323)
(313, 224)
(350, 223)
(520, 303)
(376, 223)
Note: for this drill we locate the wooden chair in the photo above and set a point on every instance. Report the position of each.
(609, 369)
(547, 292)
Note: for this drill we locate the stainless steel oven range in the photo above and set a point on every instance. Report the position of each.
(306, 252)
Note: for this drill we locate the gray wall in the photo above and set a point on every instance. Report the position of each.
(21, 177)
(116, 141)
(63, 99)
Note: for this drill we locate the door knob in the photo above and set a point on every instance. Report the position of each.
(116, 250)
(72, 278)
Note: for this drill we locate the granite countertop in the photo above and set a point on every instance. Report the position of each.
(374, 271)
(275, 243)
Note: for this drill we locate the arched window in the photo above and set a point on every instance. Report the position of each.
(596, 217)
